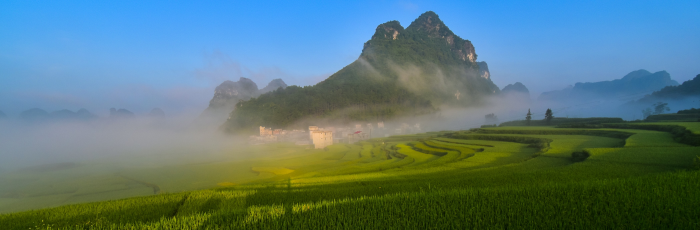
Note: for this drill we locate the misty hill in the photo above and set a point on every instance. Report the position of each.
(273, 85)
(120, 114)
(634, 83)
(400, 72)
(34, 114)
(157, 113)
(3, 115)
(515, 88)
(228, 93)
(687, 89)
(516, 93)
(65, 114)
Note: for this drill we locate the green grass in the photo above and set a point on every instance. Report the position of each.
(639, 182)
(677, 156)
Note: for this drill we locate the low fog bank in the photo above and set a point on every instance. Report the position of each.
(131, 142)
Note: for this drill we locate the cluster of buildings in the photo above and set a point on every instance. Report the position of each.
(408, 129)
(322, 137)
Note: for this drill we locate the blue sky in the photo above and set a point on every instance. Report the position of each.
(144, 54)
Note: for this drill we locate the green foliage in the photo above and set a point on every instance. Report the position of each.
(548, 115)
(580, 156)
(528, 117)
(688, 88)
(661, 107)
(690, 111)
(672, 117)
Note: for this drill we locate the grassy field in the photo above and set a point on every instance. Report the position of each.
(502, 177)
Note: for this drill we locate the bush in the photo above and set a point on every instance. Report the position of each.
(580, 156)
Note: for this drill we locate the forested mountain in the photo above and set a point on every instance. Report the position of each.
(635, 83)
(400, 71)
(687, 89)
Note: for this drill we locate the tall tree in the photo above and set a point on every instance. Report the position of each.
(548, 116)
(661, 107)
(528, 117)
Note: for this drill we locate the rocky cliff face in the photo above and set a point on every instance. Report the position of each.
(484, 70)
(430, 23)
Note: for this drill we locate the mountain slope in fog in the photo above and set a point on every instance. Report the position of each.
(515, 88)
(228, 93)
(40, 115)
(400, 72)
(634, 83)
(516, 93)
(687, 89)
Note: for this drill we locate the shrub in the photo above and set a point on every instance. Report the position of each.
(580, 156)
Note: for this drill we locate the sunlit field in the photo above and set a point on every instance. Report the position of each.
(504, 177)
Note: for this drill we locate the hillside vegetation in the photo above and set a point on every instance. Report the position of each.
(400, 72)
(535, 177)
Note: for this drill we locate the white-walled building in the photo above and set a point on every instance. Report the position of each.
(321, 139)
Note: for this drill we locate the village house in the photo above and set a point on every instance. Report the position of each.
(265, 131)
(321, 138)
(311, 130)
(356, 136)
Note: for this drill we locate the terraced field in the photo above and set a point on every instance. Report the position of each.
(505, 177)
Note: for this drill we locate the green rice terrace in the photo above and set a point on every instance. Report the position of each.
(605, 176)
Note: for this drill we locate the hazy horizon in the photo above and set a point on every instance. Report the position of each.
(140, 56)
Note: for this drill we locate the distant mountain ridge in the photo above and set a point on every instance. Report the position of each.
(634, 83)
(36, 114)
(400, 71)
